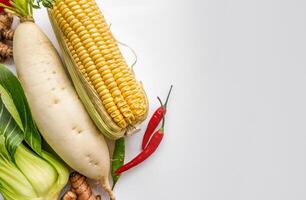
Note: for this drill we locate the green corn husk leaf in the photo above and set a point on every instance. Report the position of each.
(87, 95)
(11, 85)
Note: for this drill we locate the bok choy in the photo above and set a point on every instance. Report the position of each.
(27, 172)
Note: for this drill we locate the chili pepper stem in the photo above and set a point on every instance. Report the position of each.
(160, 101)
(161, 130)
(166, 102)
(165, 105)
(163, 123)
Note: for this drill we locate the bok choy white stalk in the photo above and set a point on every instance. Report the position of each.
(26, 171)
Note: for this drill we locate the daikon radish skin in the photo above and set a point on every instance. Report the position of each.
(59, 114)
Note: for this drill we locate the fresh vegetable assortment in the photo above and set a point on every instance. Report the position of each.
(103, 98)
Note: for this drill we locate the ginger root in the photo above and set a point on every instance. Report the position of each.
(6, 34)
(80, 189)
(70, 195)
(6, 20)
(5, 50)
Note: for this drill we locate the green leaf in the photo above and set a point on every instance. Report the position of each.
(3, 151)
(9, 130)
(118, 158)
(12, 85)
(10, 106)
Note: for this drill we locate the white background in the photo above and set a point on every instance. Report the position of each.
(235, 127)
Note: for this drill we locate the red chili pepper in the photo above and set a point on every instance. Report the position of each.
(147, 152)
(155, 120)
(5, 2)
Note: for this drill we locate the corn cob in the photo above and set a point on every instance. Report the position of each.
(110, 84)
